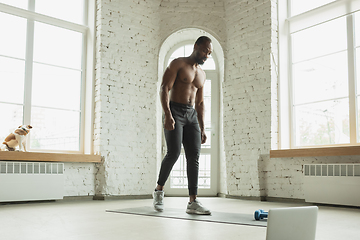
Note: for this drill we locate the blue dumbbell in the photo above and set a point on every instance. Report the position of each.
(260, 214)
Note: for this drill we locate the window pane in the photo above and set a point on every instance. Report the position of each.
(209, 64)
(170, 60)
(357, 42)
(12, 42)
(358, 68)
(300, 6)
(207, 144)
(207, 88)
(358, 118)
(322, 123)
(56, 87)
(321, 78)
(188, 50)
(207, 119)
(55, 129)
(12, 73)
(320, 40)
(207, 103)
(204, 170)
(57, 46)
(178, 176)
(61, 9)
(357, 29)
(178, 53)
(11, 118)
(18, 3)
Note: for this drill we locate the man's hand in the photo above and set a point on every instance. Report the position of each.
(169, 123)
(203, 137)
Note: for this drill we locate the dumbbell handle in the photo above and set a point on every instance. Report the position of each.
(260, 214)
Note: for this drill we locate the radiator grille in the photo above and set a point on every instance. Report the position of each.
(22, 181)
(31, 168)
(332, 183)
(337, 170)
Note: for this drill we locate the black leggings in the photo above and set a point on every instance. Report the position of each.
(187, 132)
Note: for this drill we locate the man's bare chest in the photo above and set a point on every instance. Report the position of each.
(190, 77)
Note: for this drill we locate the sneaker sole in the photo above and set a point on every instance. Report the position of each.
(191, 211)
(159, 209)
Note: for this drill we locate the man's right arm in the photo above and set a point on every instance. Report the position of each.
(166, 85)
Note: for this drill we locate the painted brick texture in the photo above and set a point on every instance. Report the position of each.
(79, 179)
(247, 93)
(129, 36)
(126, 82)
(208, 15)
(283, 177)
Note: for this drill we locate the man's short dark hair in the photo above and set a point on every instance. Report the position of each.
(202, 40)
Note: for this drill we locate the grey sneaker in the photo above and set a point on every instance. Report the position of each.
(158, 200)
(197, 208)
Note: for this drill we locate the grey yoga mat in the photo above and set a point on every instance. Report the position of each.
(216, 217)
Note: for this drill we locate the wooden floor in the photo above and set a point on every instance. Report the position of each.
(87, 220)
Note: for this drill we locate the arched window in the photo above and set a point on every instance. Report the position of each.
(186, 50)
(177, 183)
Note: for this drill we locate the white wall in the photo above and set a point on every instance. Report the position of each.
(177, 18)
(247, 93)
(251, 107)
(282, 177)
(79, 179)
(125, 96)
(203, 14)
(127, 130)
(129, 36)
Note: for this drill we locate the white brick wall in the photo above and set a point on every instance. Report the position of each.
(204, 14)
(274, 59)
(129, 36)
(247, 93)
(126, 80)
(79, 179)
(283, 177)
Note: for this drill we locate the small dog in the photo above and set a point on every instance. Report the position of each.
(17, 138)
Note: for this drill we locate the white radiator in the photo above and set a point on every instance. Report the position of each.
(26, 181)
(337, 184)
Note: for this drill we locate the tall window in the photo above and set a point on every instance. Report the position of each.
(42, 61)
(324, 43)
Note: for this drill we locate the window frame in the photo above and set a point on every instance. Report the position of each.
(87, 68)
(214, 150)
(289, 24)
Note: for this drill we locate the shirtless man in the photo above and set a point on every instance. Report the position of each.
(182, 123)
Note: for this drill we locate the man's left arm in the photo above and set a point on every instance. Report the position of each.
(200, 109)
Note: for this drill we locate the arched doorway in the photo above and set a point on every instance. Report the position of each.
(180, 44)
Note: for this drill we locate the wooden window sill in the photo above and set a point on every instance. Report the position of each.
(48, 157)
(316, 152)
